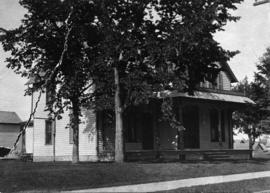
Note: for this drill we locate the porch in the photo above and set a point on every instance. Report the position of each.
(208, 133)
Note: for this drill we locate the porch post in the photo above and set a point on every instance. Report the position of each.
(219, 128)
(229, 118)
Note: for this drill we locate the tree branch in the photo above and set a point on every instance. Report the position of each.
(26, 125)
(3, 30)
(65, 47)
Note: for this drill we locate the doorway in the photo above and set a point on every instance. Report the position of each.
(191, 124)
(147, 131)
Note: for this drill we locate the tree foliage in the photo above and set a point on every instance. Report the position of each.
(250, 119)
(127, 50)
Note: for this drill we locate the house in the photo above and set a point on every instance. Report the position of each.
(206, 116)
(28, 139)
(10, 126)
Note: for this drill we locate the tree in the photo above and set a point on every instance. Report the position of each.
(128, 50)
(249, 120)
(153, 46)
(51, 42)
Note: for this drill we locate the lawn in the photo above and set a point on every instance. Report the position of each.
(26, 176)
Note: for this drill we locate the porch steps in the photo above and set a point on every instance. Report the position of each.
(216, 155)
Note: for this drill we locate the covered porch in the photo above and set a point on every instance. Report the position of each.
(208, 130)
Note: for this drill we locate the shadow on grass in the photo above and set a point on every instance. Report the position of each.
(233, 161)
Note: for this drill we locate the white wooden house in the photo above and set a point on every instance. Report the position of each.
(207, 117)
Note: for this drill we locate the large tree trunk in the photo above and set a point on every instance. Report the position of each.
(119, 138)
(75, 127)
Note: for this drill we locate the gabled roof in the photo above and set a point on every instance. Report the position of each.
(9, 117)
(227, 69)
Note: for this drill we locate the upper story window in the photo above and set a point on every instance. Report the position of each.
(48, 132)
(218, 83)
(48, 96)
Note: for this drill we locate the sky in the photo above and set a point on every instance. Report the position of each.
(250, 35)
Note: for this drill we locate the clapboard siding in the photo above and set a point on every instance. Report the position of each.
(29, 139)
(40, 112)
(8, 135)
(226, 81)
(40, 149)
(63, 148)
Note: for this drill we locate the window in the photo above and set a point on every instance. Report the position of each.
(214, 125)
(70, 135)
(217, 85)
(48, 132)
(48, 97)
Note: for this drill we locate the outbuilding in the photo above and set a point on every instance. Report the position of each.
(10, 125)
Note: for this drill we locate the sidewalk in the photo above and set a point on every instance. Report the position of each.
(175, 184)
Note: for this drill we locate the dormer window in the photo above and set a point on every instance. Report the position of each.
(218, 83)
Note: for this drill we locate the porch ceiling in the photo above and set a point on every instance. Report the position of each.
(209, 96)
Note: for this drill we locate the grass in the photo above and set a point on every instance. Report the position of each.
(27, 176)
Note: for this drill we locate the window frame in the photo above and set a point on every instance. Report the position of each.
(47, 122)
(220, 120)
(214, 128)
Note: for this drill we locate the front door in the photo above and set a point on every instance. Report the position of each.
(147, 131)
(191, 123)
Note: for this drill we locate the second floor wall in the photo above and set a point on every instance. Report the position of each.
(223, 82)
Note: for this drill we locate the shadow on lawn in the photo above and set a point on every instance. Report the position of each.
(260, 161)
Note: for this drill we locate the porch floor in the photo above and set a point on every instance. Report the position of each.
(188, 154)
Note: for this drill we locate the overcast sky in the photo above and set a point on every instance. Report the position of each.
(250, 35)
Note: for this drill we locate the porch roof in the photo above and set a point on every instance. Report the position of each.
(209, 96)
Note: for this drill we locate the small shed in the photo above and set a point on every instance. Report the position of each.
(10, 126)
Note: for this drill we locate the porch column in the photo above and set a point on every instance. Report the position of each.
(219, 128)
(230, 129)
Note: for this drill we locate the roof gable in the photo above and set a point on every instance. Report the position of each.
(9, 117)
(227, 69)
